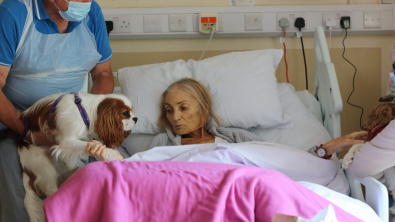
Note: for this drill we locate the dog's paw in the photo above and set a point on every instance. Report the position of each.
(111, 154)
(347, 161)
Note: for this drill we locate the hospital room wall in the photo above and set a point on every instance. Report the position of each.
(209, 3)
(368, 53)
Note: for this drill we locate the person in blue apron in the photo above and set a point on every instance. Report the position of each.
(46, 47)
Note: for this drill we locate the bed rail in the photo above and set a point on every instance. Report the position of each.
(376, 194)
(326, 88)
(327, 92)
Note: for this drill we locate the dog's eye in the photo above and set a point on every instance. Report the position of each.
(126, 113)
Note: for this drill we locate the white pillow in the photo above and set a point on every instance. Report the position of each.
(243, 87)
(307, 131)
(311, 103)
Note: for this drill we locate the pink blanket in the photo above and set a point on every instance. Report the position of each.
(180, 191)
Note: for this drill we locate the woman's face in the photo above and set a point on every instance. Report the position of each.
(182, 111)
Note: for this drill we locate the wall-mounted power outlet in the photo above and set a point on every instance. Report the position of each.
(121, 22)
(291, 16)
(334, 16)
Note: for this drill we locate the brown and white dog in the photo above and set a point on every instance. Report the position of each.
(43, 167)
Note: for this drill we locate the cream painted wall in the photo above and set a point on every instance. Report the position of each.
(208, 3)
(368, 53)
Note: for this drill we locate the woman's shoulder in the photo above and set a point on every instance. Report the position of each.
(243, 135)
(159, 140)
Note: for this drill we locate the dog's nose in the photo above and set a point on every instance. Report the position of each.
(135, 119)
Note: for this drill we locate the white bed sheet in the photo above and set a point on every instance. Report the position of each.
(353, 206)
(296, 164)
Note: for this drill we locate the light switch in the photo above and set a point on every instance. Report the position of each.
(152, 23)
(253, 22)
(244, 2)
(372, 20)
(177, 22)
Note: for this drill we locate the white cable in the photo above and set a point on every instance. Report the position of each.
(330, 23)
(212, 33)
(330, 39)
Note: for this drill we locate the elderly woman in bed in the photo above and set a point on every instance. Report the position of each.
(187, 118)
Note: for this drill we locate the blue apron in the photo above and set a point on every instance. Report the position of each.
(46, 64)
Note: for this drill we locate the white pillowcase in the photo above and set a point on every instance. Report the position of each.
(243, 87)
(308, 131)
(311, 103)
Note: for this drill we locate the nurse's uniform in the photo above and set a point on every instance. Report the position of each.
(44, 64)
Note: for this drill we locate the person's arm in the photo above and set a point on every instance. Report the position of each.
(342, 143)
(377, 155)
(8, 114)
(103, 80)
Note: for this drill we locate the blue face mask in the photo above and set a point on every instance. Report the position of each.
(76, 11)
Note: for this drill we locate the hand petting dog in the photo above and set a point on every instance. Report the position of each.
(345, 142)
(98, 150)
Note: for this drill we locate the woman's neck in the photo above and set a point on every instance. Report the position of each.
(198, 136)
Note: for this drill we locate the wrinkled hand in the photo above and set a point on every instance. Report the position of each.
(98, 150)
(361, 135)
(345, 142)
(46, 138)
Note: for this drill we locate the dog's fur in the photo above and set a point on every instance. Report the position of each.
(382, 114)
(43, 167)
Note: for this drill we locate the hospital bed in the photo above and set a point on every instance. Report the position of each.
(327, 93)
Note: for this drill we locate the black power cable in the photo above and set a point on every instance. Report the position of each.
(353, 83)
(300, 23)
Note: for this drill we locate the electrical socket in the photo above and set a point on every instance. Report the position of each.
(121, 23)
(334, 16)
(291, 16)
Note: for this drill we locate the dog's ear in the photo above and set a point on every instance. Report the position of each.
(109, 125)
(381, 114)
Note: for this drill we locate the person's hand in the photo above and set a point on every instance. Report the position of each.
(98, 150)
(361, 135)
(46, 138)
(345, 142)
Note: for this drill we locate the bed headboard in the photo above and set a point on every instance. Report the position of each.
(326, 88)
